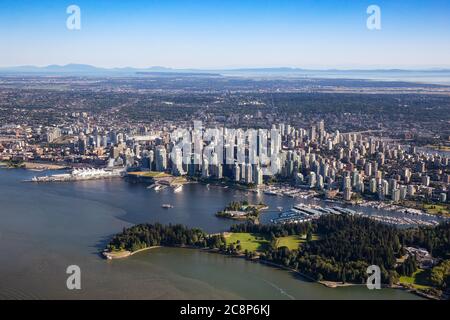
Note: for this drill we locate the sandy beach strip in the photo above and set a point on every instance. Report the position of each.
(124, 253)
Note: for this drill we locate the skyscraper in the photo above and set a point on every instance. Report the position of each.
(160, 158)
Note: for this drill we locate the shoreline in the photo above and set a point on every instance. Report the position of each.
(318, 197)
(326, 283)
(34, 166)
(43, 166)
(125, 253)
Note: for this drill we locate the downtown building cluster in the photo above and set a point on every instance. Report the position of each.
(347, 165)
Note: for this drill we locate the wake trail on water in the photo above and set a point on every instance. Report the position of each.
(273, 285)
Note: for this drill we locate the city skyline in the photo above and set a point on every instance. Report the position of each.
(232, 150)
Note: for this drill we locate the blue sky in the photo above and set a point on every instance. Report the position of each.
(226, 33)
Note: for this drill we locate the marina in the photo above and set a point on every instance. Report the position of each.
(306, 212)
(289, 191)
(303, 213)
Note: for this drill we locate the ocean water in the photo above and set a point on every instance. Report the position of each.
(44, 228)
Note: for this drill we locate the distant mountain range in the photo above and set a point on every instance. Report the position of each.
(79, 69)
(92, 70)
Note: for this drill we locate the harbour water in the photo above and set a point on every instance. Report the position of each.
(46, 227)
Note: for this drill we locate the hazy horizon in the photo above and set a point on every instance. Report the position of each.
(244, 67)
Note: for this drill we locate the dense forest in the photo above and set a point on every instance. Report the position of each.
(440, 275)
(349, 244)
(346, 247)
(148, 235)
(436, 240)
(273, 230)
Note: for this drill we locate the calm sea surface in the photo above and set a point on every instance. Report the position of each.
(46, 227)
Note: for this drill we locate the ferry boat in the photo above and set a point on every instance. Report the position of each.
(167, 206)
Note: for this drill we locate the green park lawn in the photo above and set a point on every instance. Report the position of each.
(248, 241)
(436, 209)
(149, 174)
(418, 280)
(292, 242)
(256, 242)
